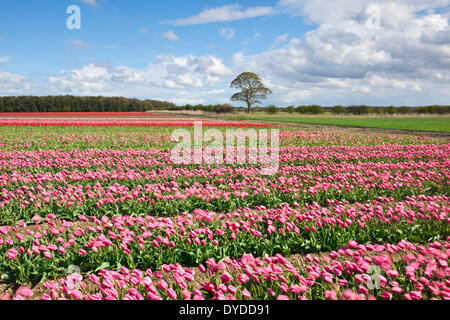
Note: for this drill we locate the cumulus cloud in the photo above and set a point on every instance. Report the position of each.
(225, 13)
(333, 12)
(170, 35)
(167, 74)
(436, 30)
(353, 54)
(88, 79)
(227, 33)
(280, 39)
(13, 84)
(358, 51)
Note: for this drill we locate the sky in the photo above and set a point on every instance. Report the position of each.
(341, 52)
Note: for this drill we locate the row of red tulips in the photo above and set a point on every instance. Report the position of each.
(79, 114)
(125, 123)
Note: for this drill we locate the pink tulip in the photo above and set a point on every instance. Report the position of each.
(24, 291)
(243, 278)
(5, 297)
(163, 285)
(415, 295)
(12, 253)
(46, 297)
(363, 289)
(171, 293)
(226, 277)
(331, 295)
(392, 273)
(186, 294)
(386, 295)
(352, 244)
(327, 277)
(246, 294)
(397, 290)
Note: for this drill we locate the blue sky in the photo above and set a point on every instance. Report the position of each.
(307, 51)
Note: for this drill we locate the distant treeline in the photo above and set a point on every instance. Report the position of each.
(100, 104)
(215, 108)
(79, 104)
(358, 110)
(121, 104)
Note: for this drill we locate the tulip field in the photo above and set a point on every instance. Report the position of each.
(97, 210)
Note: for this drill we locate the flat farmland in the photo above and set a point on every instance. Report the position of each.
(102, 212)
(113, 119)
(423, 123)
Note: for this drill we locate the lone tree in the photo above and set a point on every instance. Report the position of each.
(252, 89)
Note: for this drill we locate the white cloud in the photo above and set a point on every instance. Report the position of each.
(167, 74)
(78, 44)
(333, 12)
(344, 59)
(384, 82)
(14, 84)
(217, 91)
(90, 2)
(88, 79)
(280, 39)
(170, 35)
(255, 36)
(5, 59)
(436, 30)
(225, 13)
(127, 74)
(227, 33)
(347, 59)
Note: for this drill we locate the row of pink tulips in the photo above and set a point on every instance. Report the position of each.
(354, 272)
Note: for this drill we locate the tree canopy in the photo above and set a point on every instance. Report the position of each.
(79, 104)
(252, 89)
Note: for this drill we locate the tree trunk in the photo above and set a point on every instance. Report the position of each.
(249, 107)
